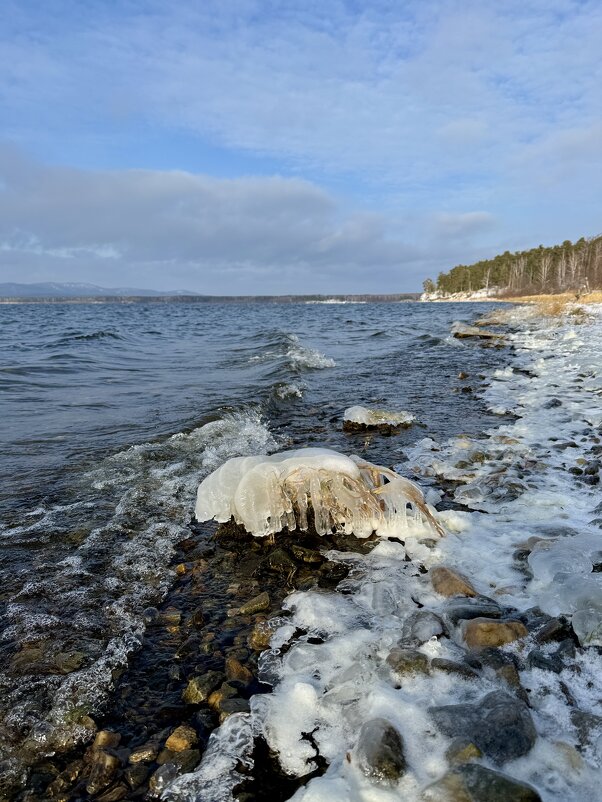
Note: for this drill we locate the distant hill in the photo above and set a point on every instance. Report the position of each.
(90, 293)
(77, 290)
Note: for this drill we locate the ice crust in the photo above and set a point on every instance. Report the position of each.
(516, 486)
(265, 494)
(377, 417)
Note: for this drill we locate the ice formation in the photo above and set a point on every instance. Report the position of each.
(377, 417)
(265, 494)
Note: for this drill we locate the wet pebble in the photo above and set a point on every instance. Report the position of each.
(453, 667)
(104, 770)
(183, 737)
(379, 752)
(256, 605)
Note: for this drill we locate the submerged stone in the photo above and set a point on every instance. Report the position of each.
(453, 667)
(200, 688)
(408, 661)
(500, 725)
(379, 752)
(474, 783)
(256, 604)
(462, 750)
(104, 770)
(466, 609)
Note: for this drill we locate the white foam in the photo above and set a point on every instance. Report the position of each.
(302, 357)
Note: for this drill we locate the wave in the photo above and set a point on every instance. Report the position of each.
(105, 559)
(302, 357)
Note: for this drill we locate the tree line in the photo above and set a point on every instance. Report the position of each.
(572, 266)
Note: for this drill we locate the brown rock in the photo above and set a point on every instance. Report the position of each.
(217, 698)
(407, 661)
(256, 604)
(183, 737)
(449, 583)
(473, 783)
(237, 672)
(106, 739)
(104, 769)
(483, 632)
(144, 754)
(260, 637)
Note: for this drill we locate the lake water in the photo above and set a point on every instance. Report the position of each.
(112, 414)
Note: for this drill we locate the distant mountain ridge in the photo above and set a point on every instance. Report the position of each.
(52, 289)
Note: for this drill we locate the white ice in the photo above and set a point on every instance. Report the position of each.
(377, 417)
(265, 494)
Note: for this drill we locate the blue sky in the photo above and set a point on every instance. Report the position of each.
(298, 146)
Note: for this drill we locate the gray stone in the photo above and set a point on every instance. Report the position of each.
(464, 609)
(500, 725)
(421, 626)
(474, 783)
(453, 667)
(555, 629)
(543, 661)
(588, 726)
(379, 752)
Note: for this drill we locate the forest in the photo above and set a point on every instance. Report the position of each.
(572, 266)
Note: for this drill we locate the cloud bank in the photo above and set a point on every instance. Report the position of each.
(212, 235)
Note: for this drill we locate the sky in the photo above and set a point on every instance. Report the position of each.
(293, 146)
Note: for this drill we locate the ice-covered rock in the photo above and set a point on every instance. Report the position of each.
(461, 330)
(265, 494)
(362, 417)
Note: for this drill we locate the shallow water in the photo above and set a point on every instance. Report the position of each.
(112, 414)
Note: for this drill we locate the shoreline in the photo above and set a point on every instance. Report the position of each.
(593, 297)
(477, 654)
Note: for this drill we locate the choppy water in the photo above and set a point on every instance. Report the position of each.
(112, 414)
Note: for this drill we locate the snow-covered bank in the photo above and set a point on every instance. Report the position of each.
(504, 678)
(485, 294)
